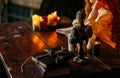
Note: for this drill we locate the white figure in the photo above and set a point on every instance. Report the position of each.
(78, 36)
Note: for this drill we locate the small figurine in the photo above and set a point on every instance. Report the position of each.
(79, 34)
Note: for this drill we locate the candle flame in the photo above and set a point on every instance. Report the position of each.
(97, 42)
(53, 19)
(55, 13)
(41, 19)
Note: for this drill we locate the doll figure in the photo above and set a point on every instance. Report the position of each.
(78, 35)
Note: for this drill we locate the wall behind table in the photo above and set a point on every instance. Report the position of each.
(118, 24)
(17, 11)
(63, 7)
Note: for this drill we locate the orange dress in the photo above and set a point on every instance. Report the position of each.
(101, 21)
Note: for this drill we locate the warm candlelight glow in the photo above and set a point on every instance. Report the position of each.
(37, 43)
(58, 19)
(97, 42)
(36, 22)
(53, 19)
(54, 14)
(41, 19)
(44, 22)
(96, 48)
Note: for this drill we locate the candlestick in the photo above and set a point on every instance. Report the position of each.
(96, 48)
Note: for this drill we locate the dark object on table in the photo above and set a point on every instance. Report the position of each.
(96, 48)
(80, 33)
(55, 71)
(53, 63)
(52, 59)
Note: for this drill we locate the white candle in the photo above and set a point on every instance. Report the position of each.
(52, 19)
(36, 22)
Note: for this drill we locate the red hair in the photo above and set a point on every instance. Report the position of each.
(113, 6)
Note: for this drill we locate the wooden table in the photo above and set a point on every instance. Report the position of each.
(18, 43)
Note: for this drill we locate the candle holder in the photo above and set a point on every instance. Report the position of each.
(96, 48)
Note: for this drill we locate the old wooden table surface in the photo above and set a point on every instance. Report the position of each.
(18, 43)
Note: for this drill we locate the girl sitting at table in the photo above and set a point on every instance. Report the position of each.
(101, 19)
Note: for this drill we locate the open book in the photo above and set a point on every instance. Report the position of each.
(64, 31)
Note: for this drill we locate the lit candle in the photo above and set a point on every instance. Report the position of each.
(41, 19)
(54, 14)
(53, 19)
(36, 22)
(96, 48)
(49, 18)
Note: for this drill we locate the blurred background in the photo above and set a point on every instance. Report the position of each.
(17, 10)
